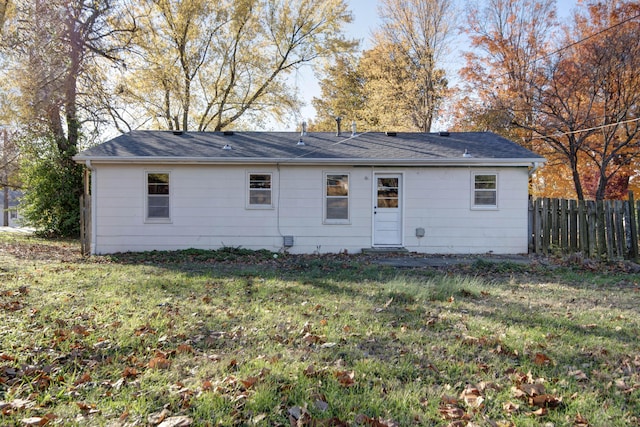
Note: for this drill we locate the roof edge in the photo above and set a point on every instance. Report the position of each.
(304, 161)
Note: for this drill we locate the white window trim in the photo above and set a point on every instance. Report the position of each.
(247, 187)
(329, 221)
(148, 220)
(473, 191)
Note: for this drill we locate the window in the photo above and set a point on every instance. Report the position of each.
(337, 198)
(485, 191)
(157, 196)
(260, 190)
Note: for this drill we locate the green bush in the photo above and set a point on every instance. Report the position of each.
(53, 184)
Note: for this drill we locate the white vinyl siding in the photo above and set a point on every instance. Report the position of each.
(485, 190)
(158, 196)
(208, 210)
(260, 190)
(336, 203)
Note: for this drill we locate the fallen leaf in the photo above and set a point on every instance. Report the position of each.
(510, 407)
(159, 363)
(578, 375)
(249, 382)
(545, 401)
(472, 397)
(449, 412)
(541, 359)
(580, 421)
(345, 378)
(85, 378)
(34, 421)
(129, 372)
(540, 412)
(181, 421)
(184, 348)
(87, 408)
(532, 389)
(156, 418)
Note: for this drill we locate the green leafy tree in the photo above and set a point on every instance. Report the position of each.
(51, 203)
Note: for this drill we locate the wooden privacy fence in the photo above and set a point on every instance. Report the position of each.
(606, 229)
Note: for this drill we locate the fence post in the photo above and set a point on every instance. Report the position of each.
(584, 228)
(606, 228)
(537, 225)
(555, 229)
(573, 226)
(546, 226)
(621, 240)
(633, 244)
(564, 226)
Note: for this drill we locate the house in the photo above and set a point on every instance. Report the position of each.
(10, 213)
(440, 193)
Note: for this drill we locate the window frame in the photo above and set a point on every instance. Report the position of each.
(250, 205)
(156, 220)
(326, 198)
(474, 176)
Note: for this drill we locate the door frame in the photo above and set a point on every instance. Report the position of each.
(374, 201)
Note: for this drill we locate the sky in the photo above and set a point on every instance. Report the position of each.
(365, 20)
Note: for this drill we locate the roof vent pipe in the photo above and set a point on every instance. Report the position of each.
(338, 121)
(353, 128)
(466, 154)
(303, 132)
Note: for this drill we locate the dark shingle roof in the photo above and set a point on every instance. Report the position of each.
(322, 147)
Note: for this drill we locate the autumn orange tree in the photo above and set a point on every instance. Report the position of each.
(508, 37)
(588, 104)
(575, 103)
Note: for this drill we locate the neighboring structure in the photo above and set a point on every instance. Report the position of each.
(10, 215)
(306, 193)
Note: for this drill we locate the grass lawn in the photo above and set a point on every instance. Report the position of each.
(233, 337)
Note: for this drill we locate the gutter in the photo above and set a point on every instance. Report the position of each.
(464, 162)
(534, 167)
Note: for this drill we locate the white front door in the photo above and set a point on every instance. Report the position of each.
(387, 210)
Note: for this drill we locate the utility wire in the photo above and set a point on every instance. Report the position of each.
(584, 39)
(573, 132)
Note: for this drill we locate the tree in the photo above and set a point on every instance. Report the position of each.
(403, 84)
(341, 88)
(56, 49)
(587, 108)
(213, 65)
(509, 37)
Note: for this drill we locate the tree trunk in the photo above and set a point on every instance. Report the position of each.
(5, 178)
(576, 181)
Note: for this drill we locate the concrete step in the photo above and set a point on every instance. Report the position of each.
(384, 250)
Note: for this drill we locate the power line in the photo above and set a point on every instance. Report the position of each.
(584, 39)
(573, 132)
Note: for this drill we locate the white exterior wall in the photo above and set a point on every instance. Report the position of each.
(209, 210)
